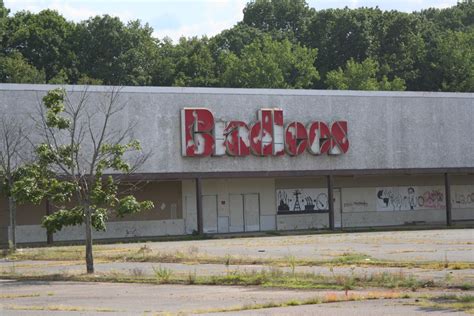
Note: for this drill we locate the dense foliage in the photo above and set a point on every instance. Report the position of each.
(278, 44)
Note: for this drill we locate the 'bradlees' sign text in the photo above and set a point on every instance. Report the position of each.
(202, 136)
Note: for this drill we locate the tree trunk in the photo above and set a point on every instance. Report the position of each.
(88, 224)
(49, 235)
(12, 209)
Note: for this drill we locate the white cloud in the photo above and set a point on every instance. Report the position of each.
(444, 5)
(209, 28)
(354, 4)
(209, 24)
(75, 11)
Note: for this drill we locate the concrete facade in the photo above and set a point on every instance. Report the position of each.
(387, 130)
(401, 145)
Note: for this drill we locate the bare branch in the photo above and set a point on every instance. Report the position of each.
(13, 144)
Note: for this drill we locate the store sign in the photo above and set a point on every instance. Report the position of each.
(202, 135)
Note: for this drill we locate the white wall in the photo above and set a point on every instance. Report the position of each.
(358, 197)
(303, 221)
(125, 229)
(361, 207)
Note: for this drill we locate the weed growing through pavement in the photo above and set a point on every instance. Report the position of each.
(448, 277)
(14, 296)
(227, 261)
(62, 308)
(349, 281)
(327, 298)
(193, 250)
(137, 272)
(108, 254)
(463, 302)
(12, 268)
(467, 286)
(162, 274)
(192, 277)
(144, 251)
(267, 277)
(292, 263)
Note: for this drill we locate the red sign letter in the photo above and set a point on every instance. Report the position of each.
(278, 137)
(319, 138)
(296, 138)
(339, 140)
(197, 125)
(237, 138)
(261, 140)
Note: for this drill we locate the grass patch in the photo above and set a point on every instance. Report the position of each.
(62, 308)
(451, 302)
(274, 277)
(351, 258)
(13, 296)
(465, 286)
(271, 277)
(162, 274)
(146, 254)
(328, 298)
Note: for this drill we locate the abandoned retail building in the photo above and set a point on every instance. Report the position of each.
(246, 160)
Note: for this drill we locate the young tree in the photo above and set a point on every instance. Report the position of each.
(79, 144)
(13, 141)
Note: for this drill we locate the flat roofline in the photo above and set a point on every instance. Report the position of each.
(237, 91)
(299, 173)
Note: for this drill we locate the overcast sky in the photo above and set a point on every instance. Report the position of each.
(189, 18)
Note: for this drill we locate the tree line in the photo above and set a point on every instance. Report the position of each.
(278, 44)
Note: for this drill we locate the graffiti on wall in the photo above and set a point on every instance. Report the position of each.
(410, 198)
(355, 206)
(463, 196)
(301, 200)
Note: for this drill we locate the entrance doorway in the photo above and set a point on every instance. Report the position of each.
(244, 212)
(209, 213)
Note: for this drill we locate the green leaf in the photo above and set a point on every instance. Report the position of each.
(62, 218)
(129, 205)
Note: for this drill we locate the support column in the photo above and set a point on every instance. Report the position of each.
(12, 212)
(447, 187)
(199, 206)
(330, 202)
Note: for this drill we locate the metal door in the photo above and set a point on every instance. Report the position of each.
(252, 212)
(209, 213)
(236, 204)
(190, 218)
